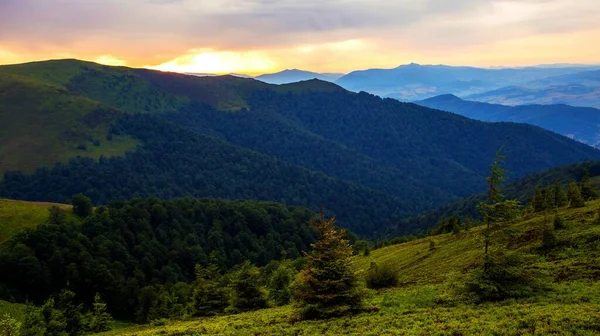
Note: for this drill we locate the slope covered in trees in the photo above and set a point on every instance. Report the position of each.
(579, 123)
(429, 298)
(367, 160)
(128, 250)
(523, 190)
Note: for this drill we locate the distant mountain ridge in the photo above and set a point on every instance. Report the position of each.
(415, 82)
(578, 89)
(296, 75)
(68, 126)
(579, 123)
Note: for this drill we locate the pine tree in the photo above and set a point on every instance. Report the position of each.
(560, 197)
(246, 293)
(327, 286)
(588, 191)
(539, 201)
(502, 274)
(34, 324)
(280, 284)
(574, 195)
(209, 298)
(54, 321)
(71, 311)
(98, 319)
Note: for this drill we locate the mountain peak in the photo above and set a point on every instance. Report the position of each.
(442, 98)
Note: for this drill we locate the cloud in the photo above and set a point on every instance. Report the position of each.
(158, 31)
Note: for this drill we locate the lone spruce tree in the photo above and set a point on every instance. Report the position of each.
(588, 191)
(575, 198)
(327, 286)
(502, 275)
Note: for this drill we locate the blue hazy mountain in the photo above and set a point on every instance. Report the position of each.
(579, 123)
(413, 81)
(296, 75)
(579, 89)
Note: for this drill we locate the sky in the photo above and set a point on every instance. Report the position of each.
(262, 36)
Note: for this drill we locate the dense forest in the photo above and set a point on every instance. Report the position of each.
(130, 252)
(119, 133)
(175, 163)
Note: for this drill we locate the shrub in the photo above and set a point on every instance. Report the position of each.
(548, 239)
(246, 293)
(504, 278)
(280, 284)
(558, 223)
(9, 326)
(381, 276)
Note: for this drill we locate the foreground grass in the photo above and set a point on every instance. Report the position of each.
(18, 215)
(414, 311)
(15, 310)
(422, 305)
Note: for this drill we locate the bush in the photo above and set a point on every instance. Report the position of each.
(504, 278)
(549, 240)
(9, 326)
(558, 223)
(381, 276)
(280, 284)
(246, 293)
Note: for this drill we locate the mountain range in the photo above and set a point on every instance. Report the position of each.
(114, 133)
(415, 82)
(578, 89)
(295, 75)
(579, 123)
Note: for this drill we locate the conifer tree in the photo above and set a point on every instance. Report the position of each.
(280, 284)
(560, 197)
(209, 298)
(34, 324)
(588, 191)
(71, 311)
(246, 293)
(98, 319)
(574, 195)
(327, 286)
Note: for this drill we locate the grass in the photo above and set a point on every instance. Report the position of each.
(43, 123)
(15, 310)
(17, 215)
(420, 305)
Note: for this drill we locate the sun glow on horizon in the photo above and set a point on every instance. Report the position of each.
(218, 62)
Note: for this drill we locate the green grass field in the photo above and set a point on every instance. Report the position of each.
(15, 310)
(421, 304)
(17, 215)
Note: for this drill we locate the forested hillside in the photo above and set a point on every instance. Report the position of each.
(579, 123)
(522, 190)
(367, 160)
(432, 282)
(133, 252)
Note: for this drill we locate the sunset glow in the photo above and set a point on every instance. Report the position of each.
(253, 36)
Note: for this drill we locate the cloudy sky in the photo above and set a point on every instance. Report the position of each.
(255, 36)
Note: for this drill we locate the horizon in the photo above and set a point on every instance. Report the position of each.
(254, 75)
(262, 36)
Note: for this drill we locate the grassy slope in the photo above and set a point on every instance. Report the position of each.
(47, 109)
(15, 310)
(17, 215)
(44, 123)
(571, 306)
